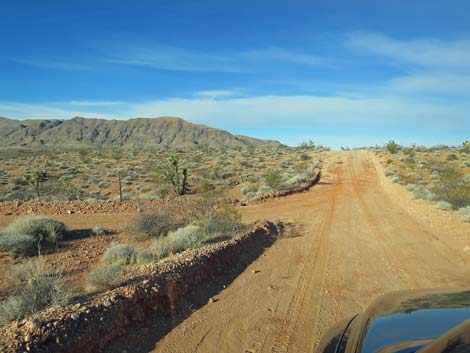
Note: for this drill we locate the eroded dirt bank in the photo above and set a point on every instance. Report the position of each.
(159, 290)
(351, 239)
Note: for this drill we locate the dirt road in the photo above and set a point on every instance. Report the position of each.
(349, 240)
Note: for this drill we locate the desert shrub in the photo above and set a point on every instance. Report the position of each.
(464, 214)
(264, 189)
(41, 228)
(411, 187)
(185, 238)
(296, 180)
(452, 188)
(250, 195)
(392, 147)
(20, 245)
(160, 247)
(144, 189)
(272, 178)
(248, 188)
(422, 194)
(443, 205)
(397, 180)
(41, 291)
(145, 257)
(103, 185)
(120, 255)
(224, 220)
(452, 157)
(103, 278)
(158, 222)
(11, 309)
(415, 176)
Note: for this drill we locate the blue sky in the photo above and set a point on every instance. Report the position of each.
(341, 72)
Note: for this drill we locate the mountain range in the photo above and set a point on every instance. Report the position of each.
(168, 132)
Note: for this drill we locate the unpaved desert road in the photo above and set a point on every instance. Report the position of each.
(349, 241)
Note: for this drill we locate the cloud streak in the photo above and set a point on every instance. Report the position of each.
(429, 53)
(189, 60)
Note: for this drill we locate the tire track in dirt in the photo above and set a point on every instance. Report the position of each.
(315, 265)
(348, 241)
(373, 222)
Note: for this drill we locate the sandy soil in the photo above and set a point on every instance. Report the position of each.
(353, 239)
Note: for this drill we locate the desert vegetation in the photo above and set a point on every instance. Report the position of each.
(439, 174)
(34, 241)
(196, 189)
(102, 174)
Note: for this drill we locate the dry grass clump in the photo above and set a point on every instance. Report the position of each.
(103, 277)
(42, 290)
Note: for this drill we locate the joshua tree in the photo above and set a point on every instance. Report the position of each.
(34, 179)
(171, 174)
(466, 146)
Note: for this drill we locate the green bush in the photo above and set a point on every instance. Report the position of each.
(443, 205)
(41, 228)
(103, 278)
(221, 220)
(464, 214)
(20, 245)
(11, 309)
(145, 257)
(42, 291)
(422, 194)
(160, 248)
(273, 178)
(158, 222)
(392, 147)
(452, 188)
(120, 255)
(185, 238)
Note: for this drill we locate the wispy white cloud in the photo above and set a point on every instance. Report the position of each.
(432, 83)
(52, 110)
(287, 56)
(426, 52)
(217, 93)
(173, 58)
(184, 59)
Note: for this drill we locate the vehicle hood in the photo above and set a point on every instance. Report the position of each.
(406, 321)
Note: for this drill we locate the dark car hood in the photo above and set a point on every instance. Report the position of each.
(405, 321)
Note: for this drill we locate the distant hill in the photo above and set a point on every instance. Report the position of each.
(167, 132)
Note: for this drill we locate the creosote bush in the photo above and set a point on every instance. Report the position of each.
(158, 222)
